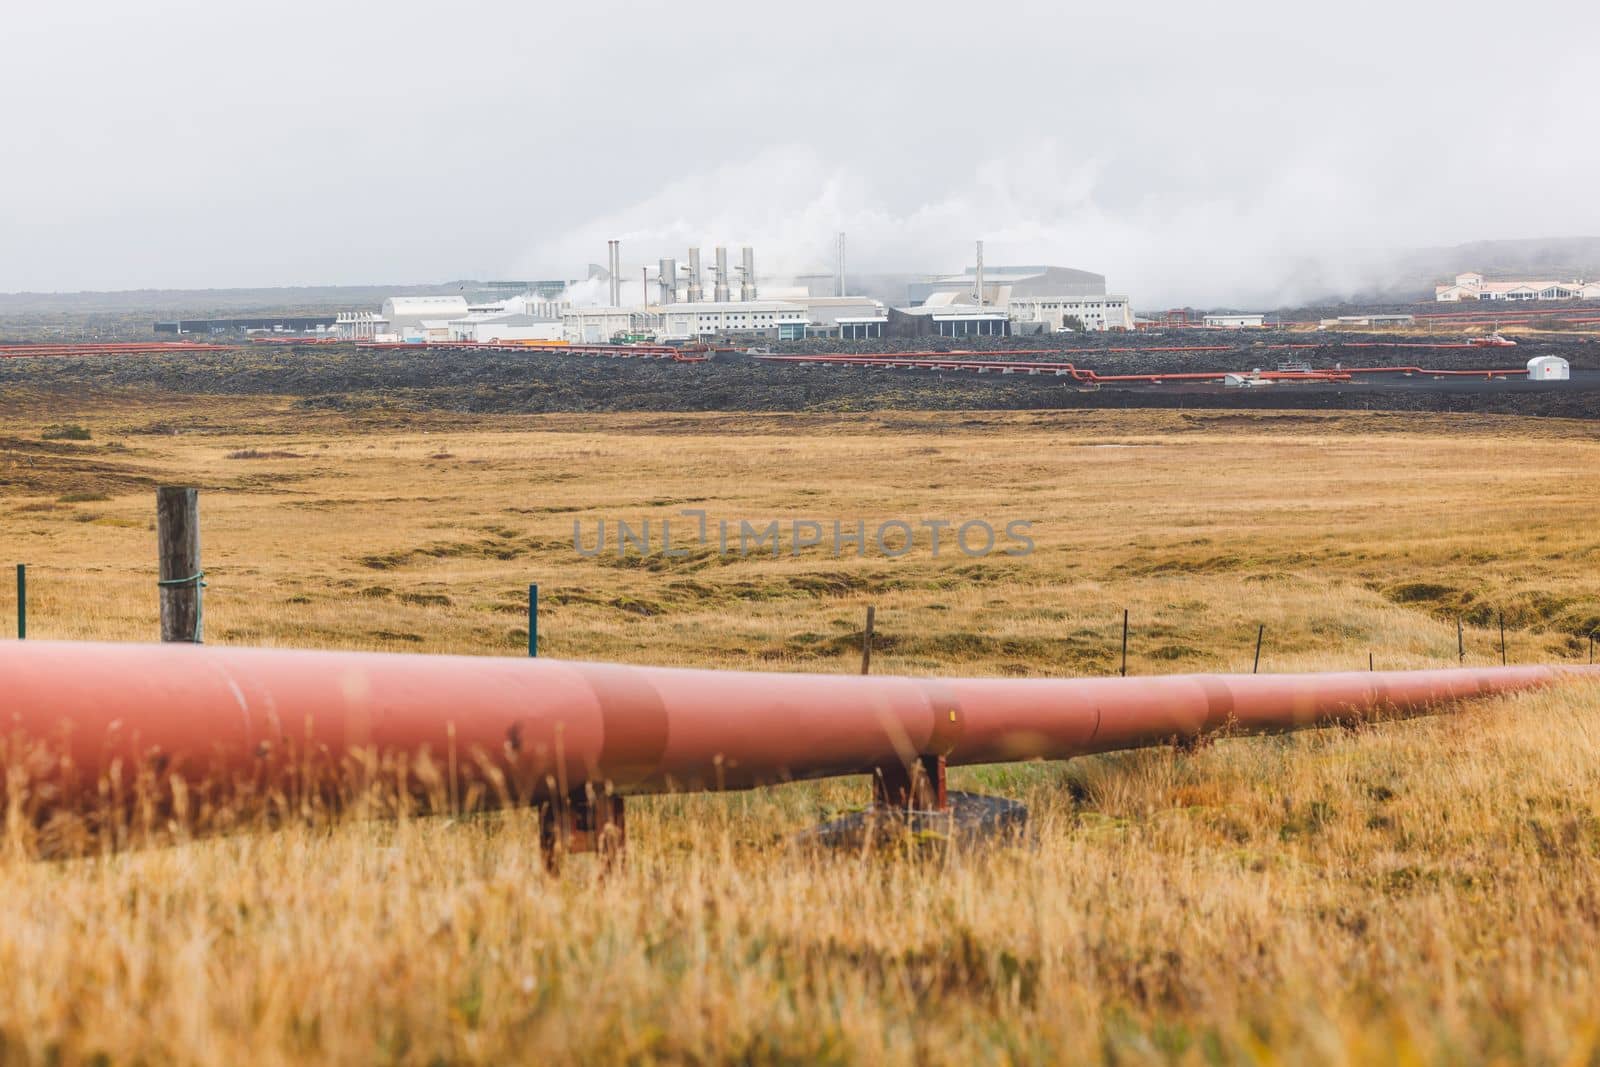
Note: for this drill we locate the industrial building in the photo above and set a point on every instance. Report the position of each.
(414, 317)
(856, 328)
(278, 324)
(1003, 283)
(849, 318)
(1347, 321)
(709, 297)
(1034, 299)
(599, 325)
(948, 319)
(1232, 321)
(505, 326)
(1472, 286)
(768, 319)
(774, 319)
(361, 326)
(825, 312)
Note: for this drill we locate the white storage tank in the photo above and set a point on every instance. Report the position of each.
(1549, 369)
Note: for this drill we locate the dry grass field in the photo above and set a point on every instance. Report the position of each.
(1422, 892)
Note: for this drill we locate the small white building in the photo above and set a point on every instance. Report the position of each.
(504, 328)
(828, 311)
(1346, 321)
(776, 319)
(598, 325)
(1236, 322)
(360, 325)
(406, 314)
(1549, 369)
(428, 331)
(1095, 313)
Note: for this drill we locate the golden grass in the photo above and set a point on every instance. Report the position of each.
(1427, 891)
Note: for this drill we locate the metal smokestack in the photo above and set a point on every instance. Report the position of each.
(747, 280)
(669, 281)
(695, 293)
(840, 279)
(720, 292)
(980, 274)
(614, 270)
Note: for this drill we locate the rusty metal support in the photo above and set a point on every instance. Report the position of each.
(586, 820)
(917, 786)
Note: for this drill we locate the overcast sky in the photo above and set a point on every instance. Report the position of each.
(1192, 152)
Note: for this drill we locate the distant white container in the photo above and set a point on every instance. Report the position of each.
(1549, 369)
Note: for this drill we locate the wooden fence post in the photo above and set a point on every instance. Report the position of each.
(1260, 635)
(1124, 642)
(182, 579)
(866, 639)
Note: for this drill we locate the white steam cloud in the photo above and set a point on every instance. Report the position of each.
(1317, 224)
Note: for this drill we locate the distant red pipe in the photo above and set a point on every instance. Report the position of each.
(205, 712)
(107, 349)
(1090, 377)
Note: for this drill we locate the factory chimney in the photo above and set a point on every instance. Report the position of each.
(980, 276)
(747, 280)
(840, 279)
(614, 269)
(695, 293)
(669, 281)
(720, 292)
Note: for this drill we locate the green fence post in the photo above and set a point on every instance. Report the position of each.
(22, 601)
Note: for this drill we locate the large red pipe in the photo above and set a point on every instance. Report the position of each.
(206, 712)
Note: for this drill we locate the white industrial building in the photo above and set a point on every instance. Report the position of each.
(504, 327)
(1472, 286)
(1095, 313)
(598, 325)
(779, 320)
(1033, 298)
(824, 312)
(1347, 321)
(360, 325)
(1549, 369)
(681, 311)
(1236, 322)
(774, 319)
(428, 331)
(407, 314)
(849, 318)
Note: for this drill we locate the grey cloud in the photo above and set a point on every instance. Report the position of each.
(1235, 152)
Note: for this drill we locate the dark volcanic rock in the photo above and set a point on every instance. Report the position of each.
(541, 381)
